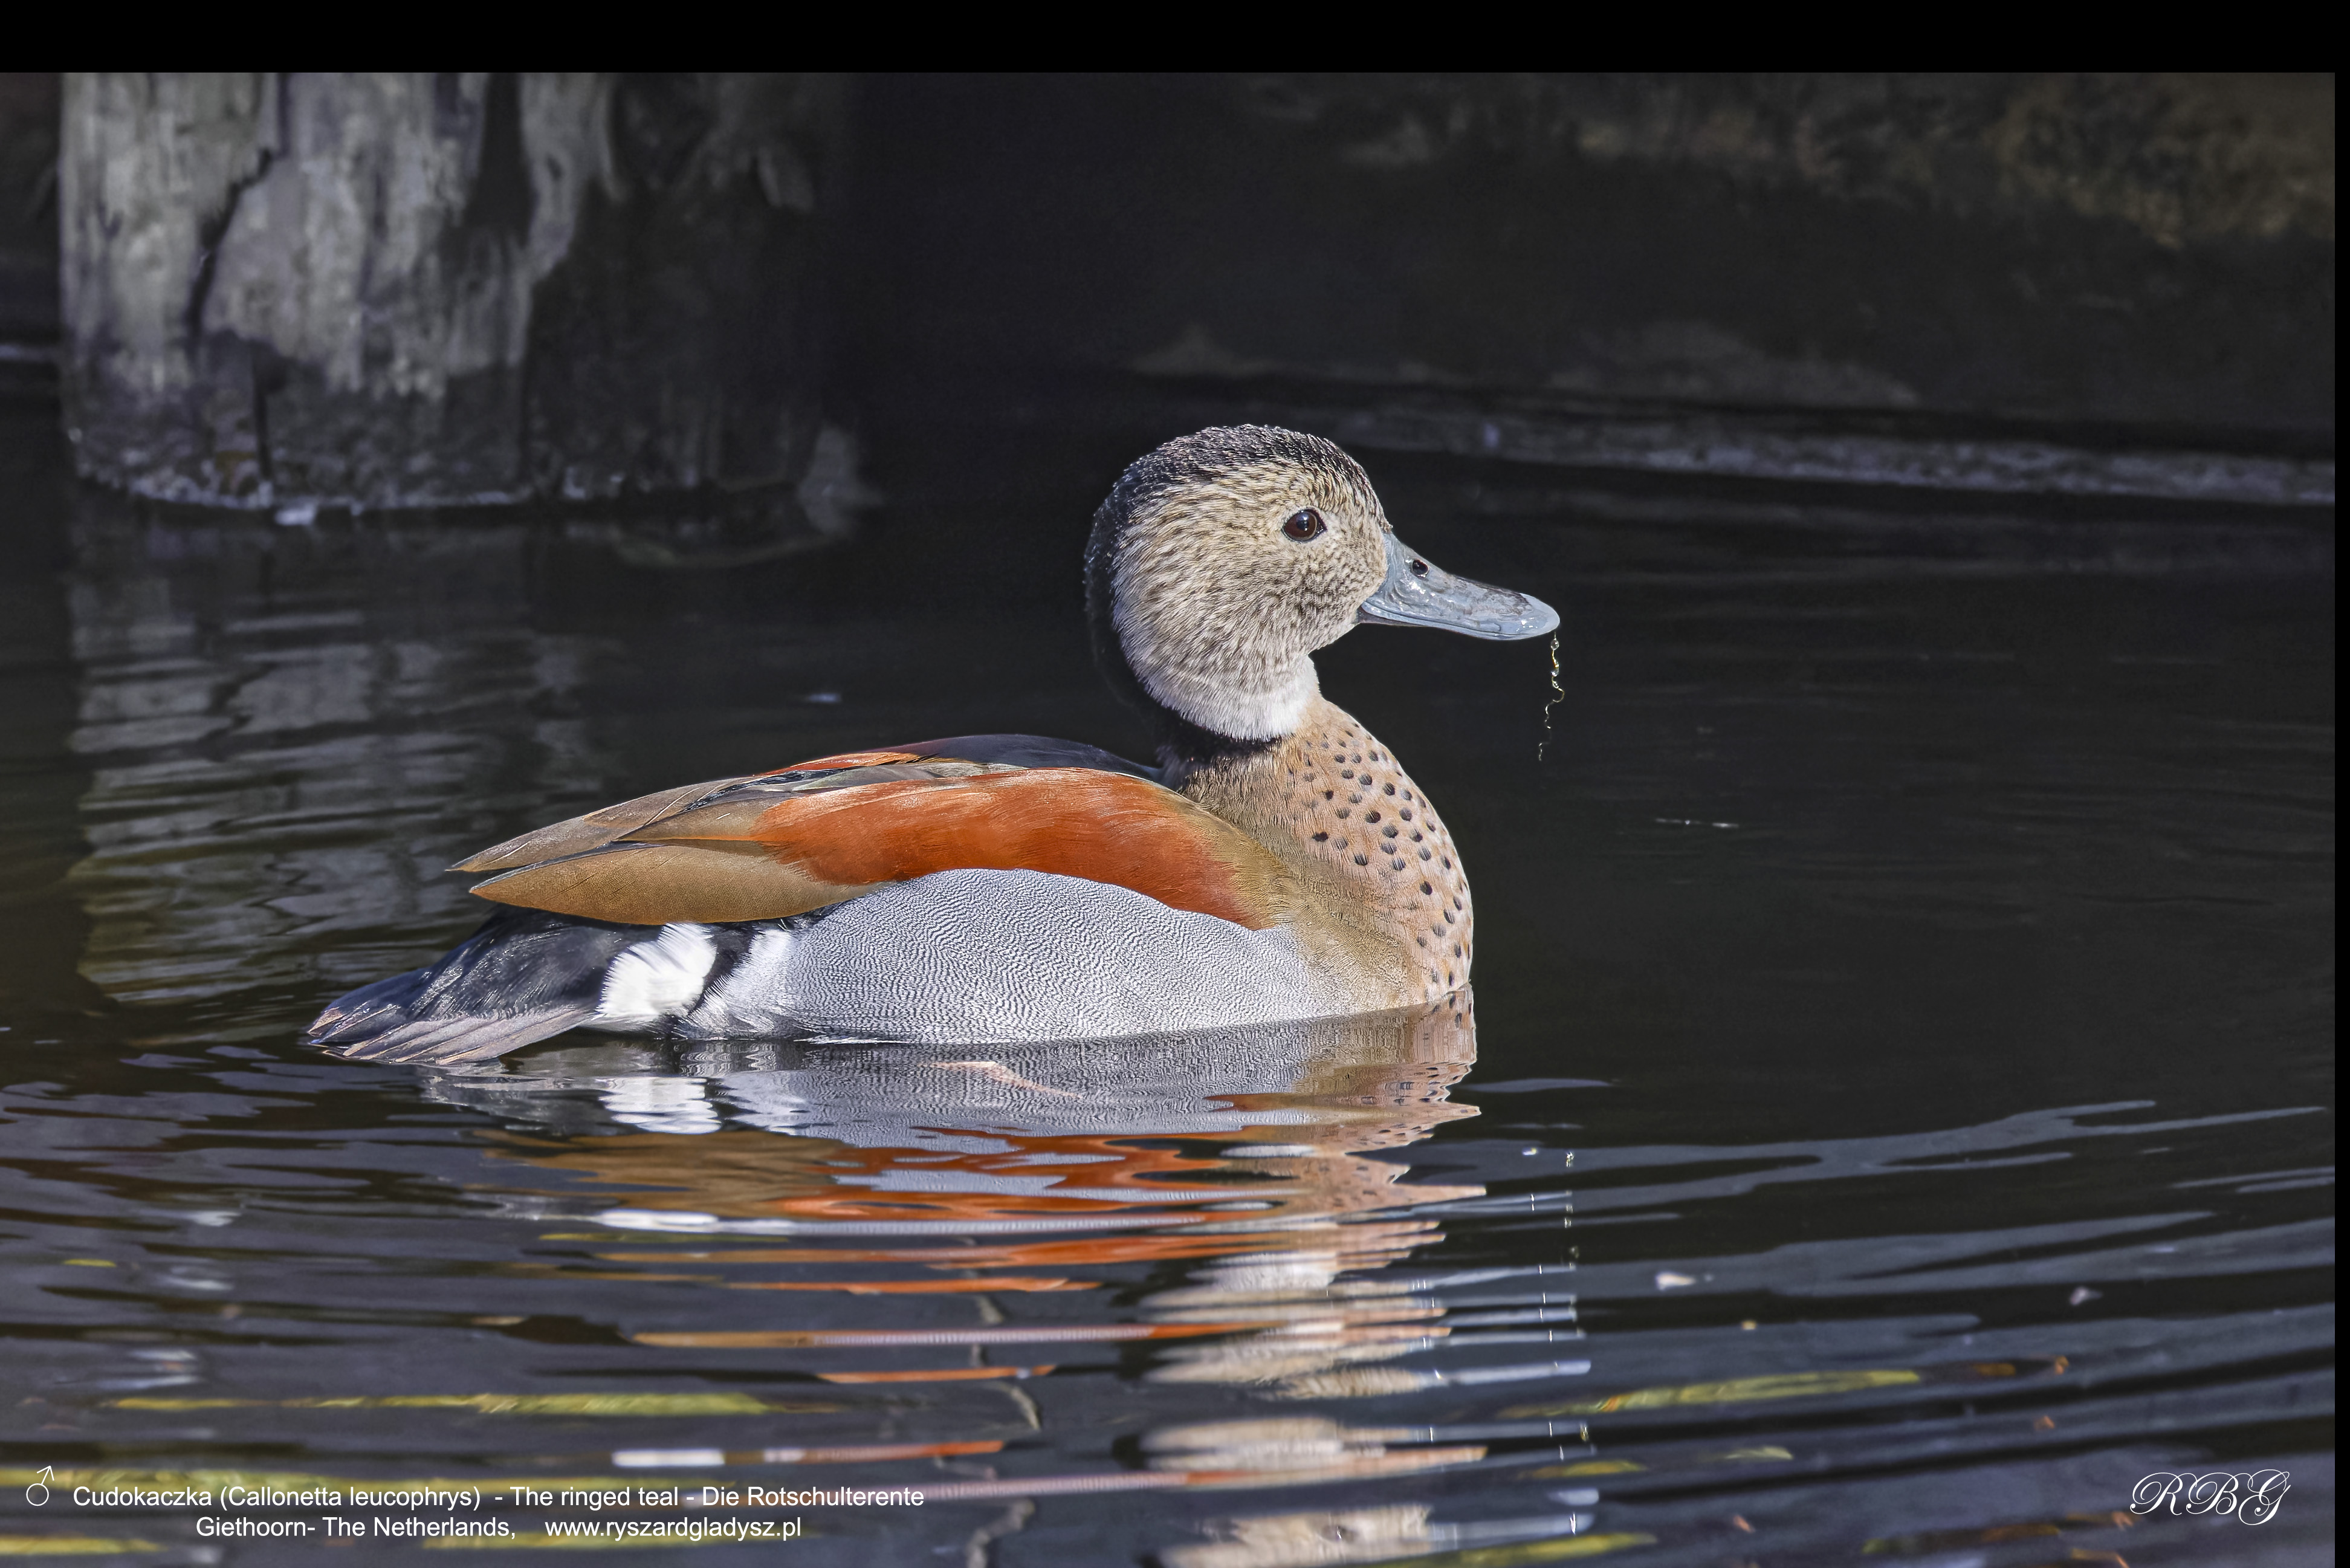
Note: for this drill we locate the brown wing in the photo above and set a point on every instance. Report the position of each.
(600, 827)
(783, 844)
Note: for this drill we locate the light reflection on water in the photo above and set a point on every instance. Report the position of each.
(271, 763)
(1892, 1124)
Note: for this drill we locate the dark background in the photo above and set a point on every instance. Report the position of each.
(2134, 259)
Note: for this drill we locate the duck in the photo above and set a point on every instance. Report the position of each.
(1278, 864)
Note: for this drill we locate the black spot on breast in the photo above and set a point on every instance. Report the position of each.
(1371, 816)
(1423, 854)
(1342, 814)
(1404, 814)
(1389, 830)
(1366, 860)
(1389, 788)
(1321, 838)
(1397, 863)
(1424, 887)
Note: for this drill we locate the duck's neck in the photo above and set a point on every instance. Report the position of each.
(1332, 800)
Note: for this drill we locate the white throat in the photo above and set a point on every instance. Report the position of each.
(1213, 703)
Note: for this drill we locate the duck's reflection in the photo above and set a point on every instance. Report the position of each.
(1024, 1168)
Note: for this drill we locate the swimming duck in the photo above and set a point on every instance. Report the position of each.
(1278, 865)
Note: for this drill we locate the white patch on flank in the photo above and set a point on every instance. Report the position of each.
(755, 996)
(656, 981)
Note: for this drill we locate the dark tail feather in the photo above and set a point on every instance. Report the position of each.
(439, 1042)
(525, 975)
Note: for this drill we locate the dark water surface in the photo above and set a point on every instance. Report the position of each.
(1896, 1116)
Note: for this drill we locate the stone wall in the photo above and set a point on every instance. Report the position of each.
(411, 289)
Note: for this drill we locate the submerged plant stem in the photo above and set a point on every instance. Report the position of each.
(1557, 695)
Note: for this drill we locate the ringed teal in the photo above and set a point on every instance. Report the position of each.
(1279, 864)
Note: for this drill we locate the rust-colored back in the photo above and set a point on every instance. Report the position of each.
(748, 856)
(1077, 822)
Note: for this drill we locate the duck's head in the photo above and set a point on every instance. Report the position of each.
(1223, 560)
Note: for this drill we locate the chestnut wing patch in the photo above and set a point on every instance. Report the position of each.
(952, 757)
(783, 844)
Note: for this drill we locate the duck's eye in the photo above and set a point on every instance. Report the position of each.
(1304, 523)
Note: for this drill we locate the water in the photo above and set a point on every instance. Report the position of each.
(1894, 1116)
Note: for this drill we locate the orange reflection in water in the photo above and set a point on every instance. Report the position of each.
(1243, 1151)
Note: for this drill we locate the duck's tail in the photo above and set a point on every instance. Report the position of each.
(525, 976)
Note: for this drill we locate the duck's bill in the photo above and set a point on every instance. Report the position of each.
(1419, 592)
